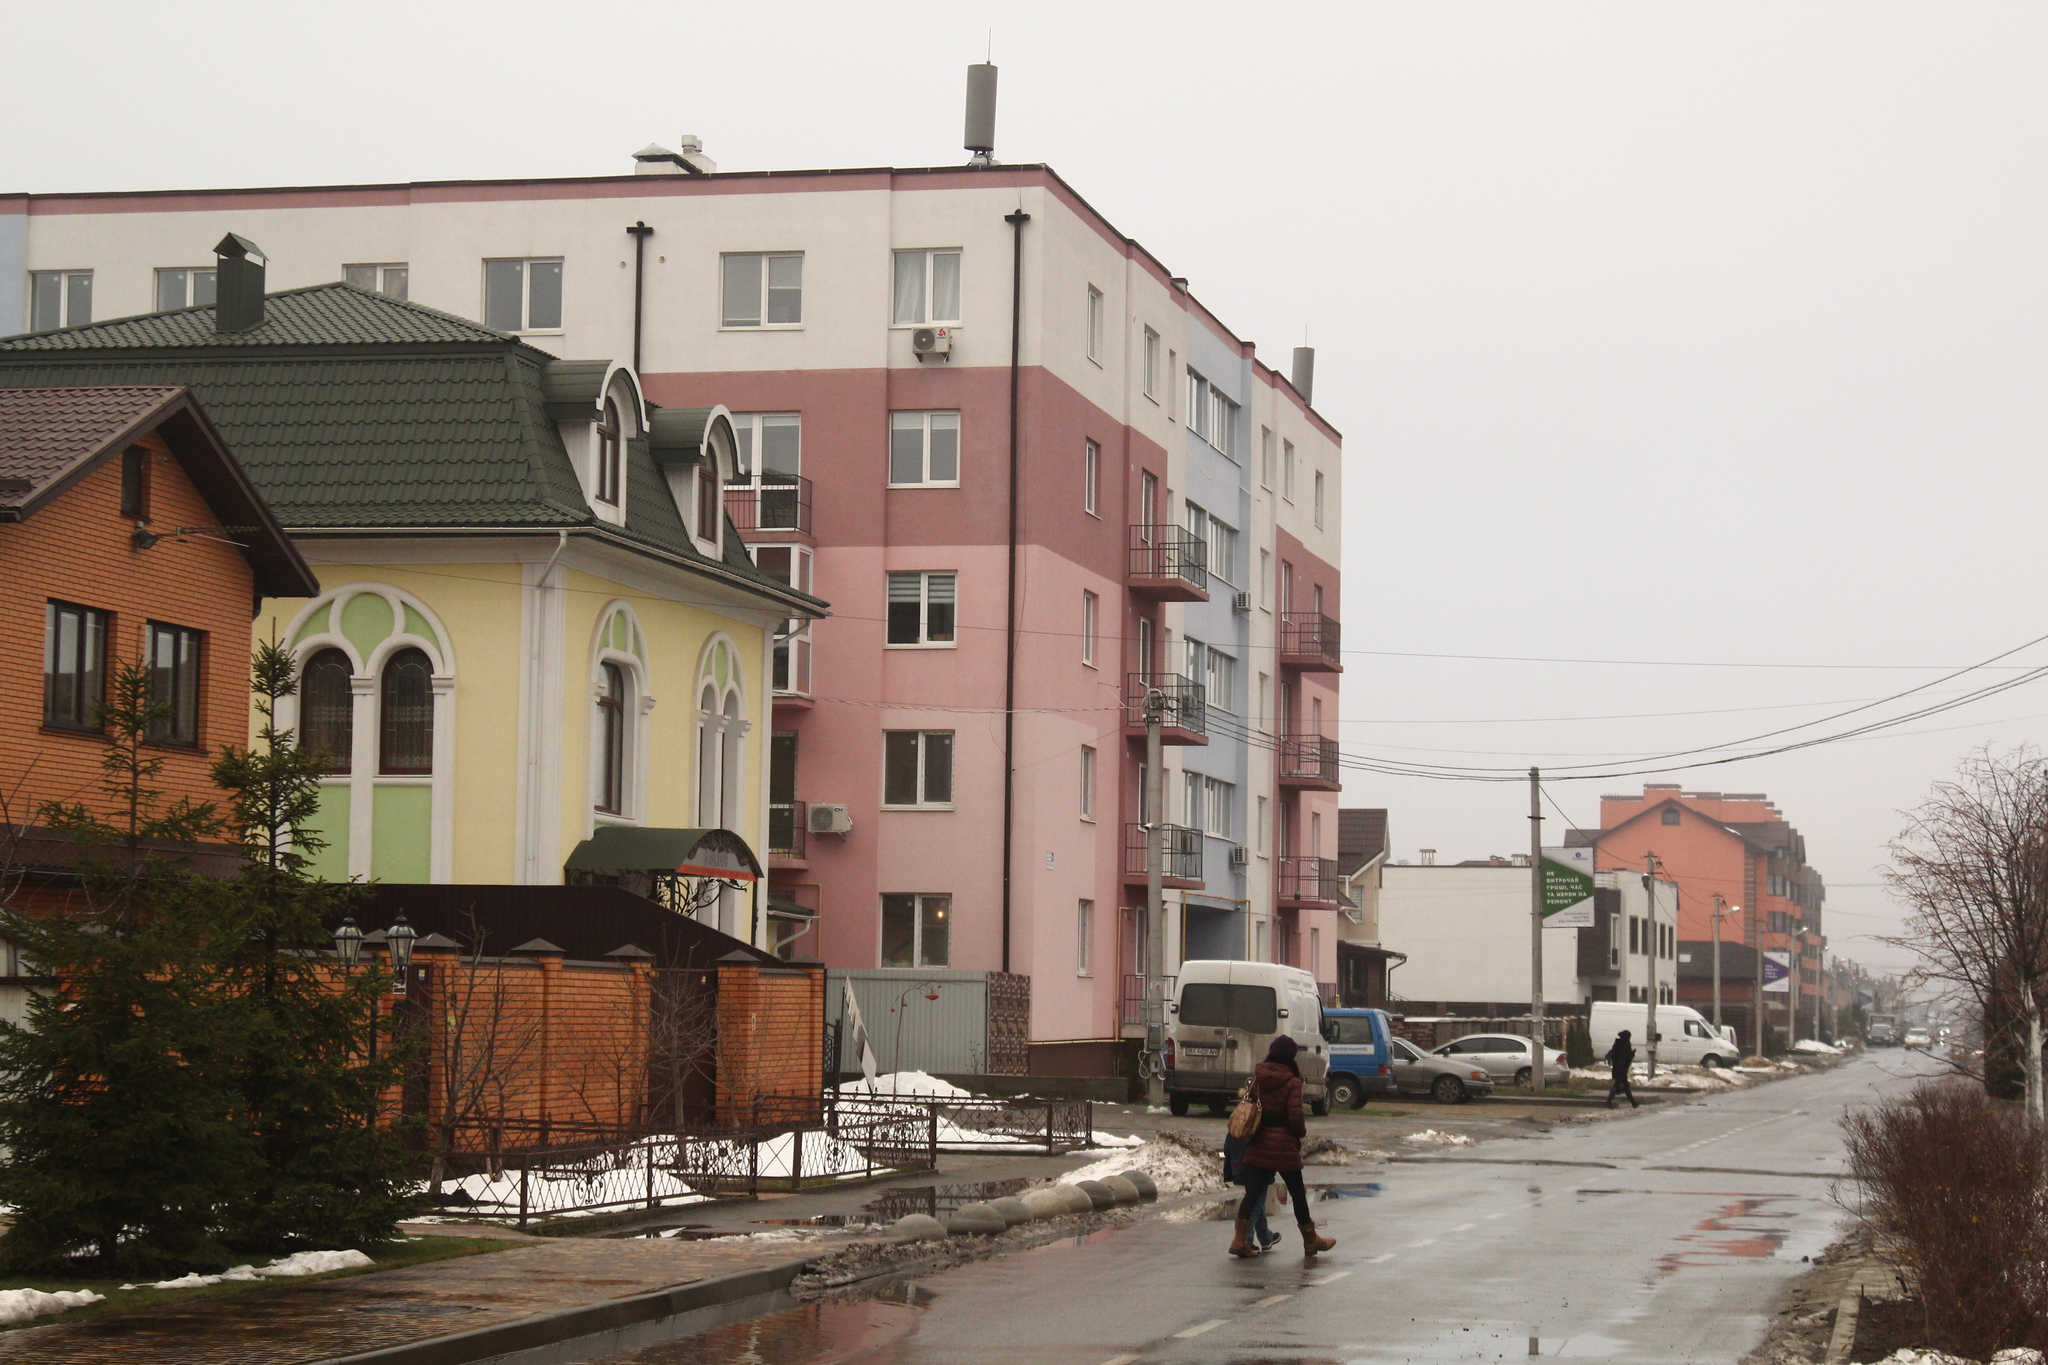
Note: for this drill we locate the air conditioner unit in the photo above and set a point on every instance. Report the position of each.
(830, 820)
(931, 341)
(1240, 856)
(1241, 602)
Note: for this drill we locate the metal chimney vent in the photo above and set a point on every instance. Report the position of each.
(980, 137)
(1305, 373)
(238, 298)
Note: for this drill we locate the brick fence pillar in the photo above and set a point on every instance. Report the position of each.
(739, 1036)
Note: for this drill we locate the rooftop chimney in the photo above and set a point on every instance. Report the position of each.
(980, 137)
(1305, 373)
(1429, 857)
(238, 297)
(693, 154)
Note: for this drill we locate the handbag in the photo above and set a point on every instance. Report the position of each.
(1244, 1120)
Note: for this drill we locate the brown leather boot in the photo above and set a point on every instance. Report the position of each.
(1241, 1244)
(1312, 1243)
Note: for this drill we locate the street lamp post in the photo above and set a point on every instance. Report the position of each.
(400, 936)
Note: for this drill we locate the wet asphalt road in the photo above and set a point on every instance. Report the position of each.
(1663, 1237)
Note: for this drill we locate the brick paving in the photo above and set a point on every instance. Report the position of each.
(328, 1318)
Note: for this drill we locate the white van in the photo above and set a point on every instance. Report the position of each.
(1685, 1038)
(1223, 1017)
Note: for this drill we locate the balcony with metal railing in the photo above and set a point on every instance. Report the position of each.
(1310, 641)
(1183, 707)
(1309, 763)
(788, 833)
(780, 502)
(1182, 865)
(1168, 564)
(1305, 883)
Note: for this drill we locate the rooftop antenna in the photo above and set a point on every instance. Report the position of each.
(980, 137)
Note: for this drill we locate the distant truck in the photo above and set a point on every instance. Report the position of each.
(1882, 1030)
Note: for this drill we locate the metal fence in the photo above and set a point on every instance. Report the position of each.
(780, 502)
(1183, 853)
(980, 1123)
(1171, 553)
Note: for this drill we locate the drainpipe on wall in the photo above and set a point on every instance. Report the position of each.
(639, 232)
(1016, 221)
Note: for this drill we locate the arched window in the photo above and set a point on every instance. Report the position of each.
(611, 714)
(406, 730)
(608, 454)
(327, 709)
(709, 752)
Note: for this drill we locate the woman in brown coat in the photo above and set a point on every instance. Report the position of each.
(1276, 1148)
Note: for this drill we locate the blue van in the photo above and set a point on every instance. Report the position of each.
(1361, 1056)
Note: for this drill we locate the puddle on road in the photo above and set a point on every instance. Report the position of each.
(935, 1200)
(860, 1328)
(1721, 1234)
(1366, 1190)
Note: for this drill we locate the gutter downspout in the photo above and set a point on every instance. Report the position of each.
(639, 232)
(1016, 221)
(534, 716)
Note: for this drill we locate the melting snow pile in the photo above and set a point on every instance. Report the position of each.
(1177, 1162)
(1431, 1137)
(1817, 1046)
(907, 1083)
(19, 1305)
(284, 1267)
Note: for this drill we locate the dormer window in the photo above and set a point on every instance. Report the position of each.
(710, 508)
(608, 447)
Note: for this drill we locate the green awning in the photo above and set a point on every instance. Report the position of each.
(778, 908)
(684, 852)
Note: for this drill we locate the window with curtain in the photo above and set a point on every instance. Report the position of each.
(327, 709)
(611, 721)
(405, 737)
(927, 287)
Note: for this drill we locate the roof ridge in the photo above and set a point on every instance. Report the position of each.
(489, 333)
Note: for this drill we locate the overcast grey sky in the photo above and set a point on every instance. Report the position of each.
(1707, 332)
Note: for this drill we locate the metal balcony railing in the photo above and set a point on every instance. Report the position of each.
(788, 827)
(1184, 702)
(1308, 758)
(1183, 860)
(1168, 553)
(1309, 879)
(781, 502)
(1133, 996)
(1310, 639)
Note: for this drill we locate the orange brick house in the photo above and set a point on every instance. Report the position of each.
(128, 531)
(1740, 847)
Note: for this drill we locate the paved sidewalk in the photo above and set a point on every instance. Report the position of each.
(329, 1318)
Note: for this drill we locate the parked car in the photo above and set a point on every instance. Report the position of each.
(1918, 1038)
(1361, 1058)
(1506, 1057)
(1684, 1037)
(1882, 1031)
(1223, 1017)
(1444, 1079)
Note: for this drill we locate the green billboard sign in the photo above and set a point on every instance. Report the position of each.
(1567, 882)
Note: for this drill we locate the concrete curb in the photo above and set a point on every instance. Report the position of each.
(539, 1331)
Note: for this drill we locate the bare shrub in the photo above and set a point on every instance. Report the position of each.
(1953, 1191)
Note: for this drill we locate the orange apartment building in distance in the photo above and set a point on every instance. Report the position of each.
(1740, 847)
(128, 531)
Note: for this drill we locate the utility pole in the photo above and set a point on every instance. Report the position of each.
(1155, 898)
(1756, 942)
(1655, 942)
(1718, 902)
(1541, 1039)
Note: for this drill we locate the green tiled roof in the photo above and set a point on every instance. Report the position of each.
(318, 315)
(353, 410)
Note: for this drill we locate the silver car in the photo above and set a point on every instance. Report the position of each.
(1444, 1080)
(1505, 1057)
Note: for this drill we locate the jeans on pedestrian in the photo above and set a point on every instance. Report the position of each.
(1256, 1182)
(1262, 1233)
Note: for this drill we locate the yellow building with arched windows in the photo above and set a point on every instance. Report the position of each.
(535, 618)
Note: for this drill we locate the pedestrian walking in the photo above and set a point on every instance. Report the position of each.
(1235, 1172)
(1275, 1148)
(1621, 1057)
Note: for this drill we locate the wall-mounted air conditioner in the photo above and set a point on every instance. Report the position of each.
(1241, 602)
(1240, 856)
(830, 820)
(929, 341)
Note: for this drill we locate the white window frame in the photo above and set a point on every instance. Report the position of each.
(1219, 679)
(1222, 432)
(920, 744)
(1259, 830)
(917, 918)
(381, 277)
(762, 260)
(1091, 612)
(1265, 580)
(65, 279)
(1267, 448)
(1192, 816)
(1219, 798)
(1150, 377)
(1088, 761)
(527, 326)
(1084, 937)
(1172, 364)
(923, 420)
(1095, 312)
(1319, 498)
(1091, 476)
(1287, 470)
(924, 605)
(1198, 403)
(189, 287)
(747, 429)
(928, 259)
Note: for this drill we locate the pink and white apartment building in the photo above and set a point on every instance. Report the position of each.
(1029, 470)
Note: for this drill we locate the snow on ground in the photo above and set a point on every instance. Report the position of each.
(1671, 1077)
(284, 1267)
(1177, 1163)
(1432, 1138)
(20, 1305)
(1816, 1045)
(916, 1083)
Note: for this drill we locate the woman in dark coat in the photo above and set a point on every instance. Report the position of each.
(1276, 1148)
